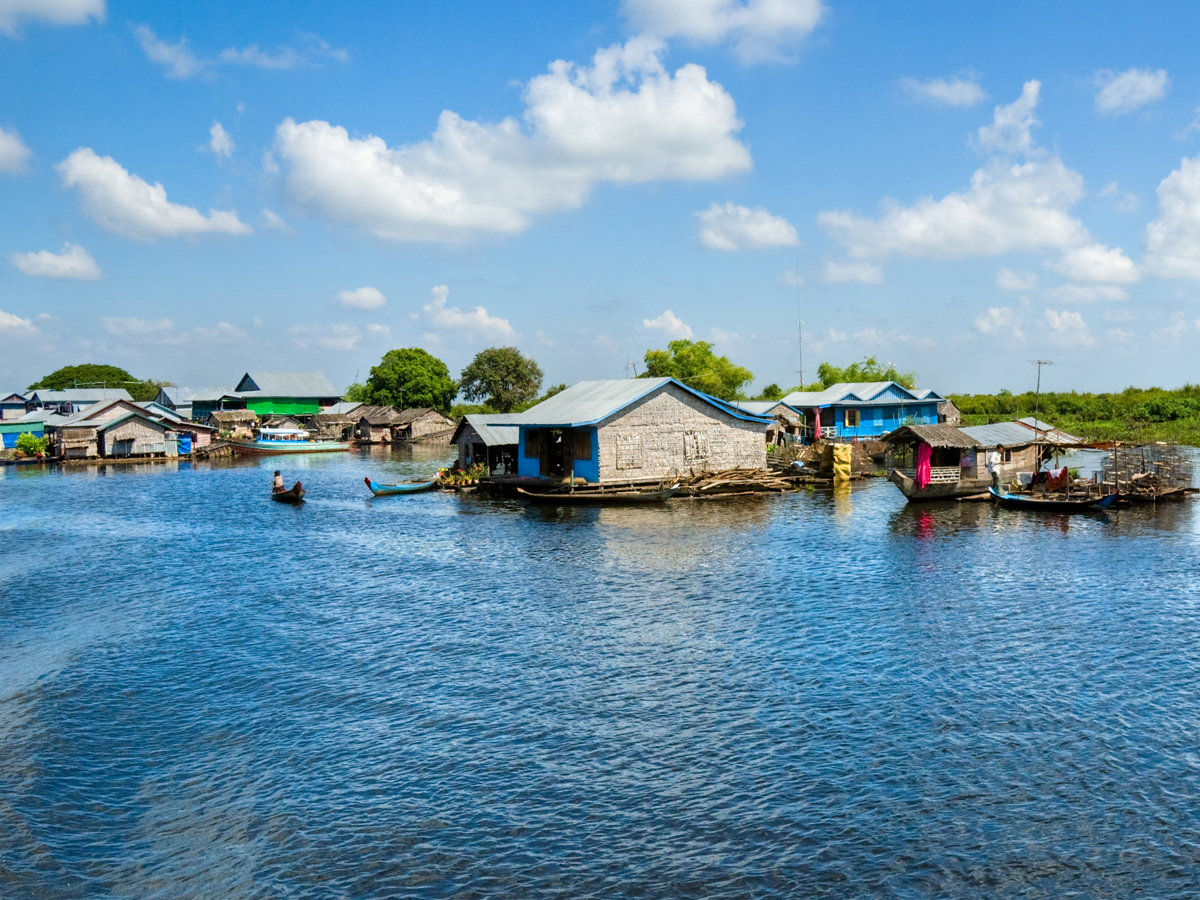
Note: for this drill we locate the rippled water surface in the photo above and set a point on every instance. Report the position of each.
(204, 694)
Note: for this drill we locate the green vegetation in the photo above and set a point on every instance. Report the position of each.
(1134, 414)
(502, 377)
(409, 378)
(356, 393)
(30, 445)
(91, 375)
(771, 392)
(695, 364)
(870, 369)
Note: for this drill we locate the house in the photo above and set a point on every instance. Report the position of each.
(189, 434)
(957, 467)
(12, 407)
(74, 400)
(238, 422)
(113, 428)
(196, 402)
(636, 429)
(424, 424)
(1019, 448)
(286, 393)
(375, 424)
(491, 439)
(332, 426)
(866, 409)
(31, 423)
(788, 424)
(1046, 432)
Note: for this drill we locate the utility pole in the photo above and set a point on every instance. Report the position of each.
(1037, 396)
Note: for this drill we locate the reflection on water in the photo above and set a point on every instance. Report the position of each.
(830, 693)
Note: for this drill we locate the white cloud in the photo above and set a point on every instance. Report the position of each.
(275, 221)
(759, 30)
(730, 227)
(1123, 93)
(724, 338)
(670, 325)
(362, 298)
(1011, 124)
(1010, 280)
(327, 337)
(947, 91)
(1086, 293)
(1175, 329)
(843, 273)
(1098, 263)
(791, 278)
(178, 58)
(624, 120)
(72, 262)
(149, 331)
(219, 141)
(14, 155)
(1068, 329)
(476, 323)
(1001, 322)
(1118, 336)
(379, 331)
(127, 205)
(53, 12)
(1173, 239)
(9, 322)
(1126, 202)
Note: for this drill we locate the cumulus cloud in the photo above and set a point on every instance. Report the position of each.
(1068, 329)
(326, 337)
(1126, 202)
(14, 155)
(1011, 128)
(730, 227)
(1123, 93)
(852, 272)
(759, 30)
(219, 142)
(164, 332)
(1173, 239)
(476, 323)
(125, 204)
(623, 120)
(1001, 322)
(1009, 280)
(670, 325)
(180, 62)
(1098, 263)
(177, 58)
(72, 262)
(362, 298)
(52, 12)
(15, 324)
(945, 91)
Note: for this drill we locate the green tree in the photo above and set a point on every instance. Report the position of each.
(356, 393)
(410, 378)
(91, 375)
(30, 445)
(771, 392)
(502, 377)
(869, 369)
(695, 364)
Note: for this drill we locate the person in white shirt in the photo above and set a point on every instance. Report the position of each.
(277, 483)
(993, 467)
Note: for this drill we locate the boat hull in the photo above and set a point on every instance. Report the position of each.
(597, 498)
(294, 495)
(397, 490)
(279, 448)
(1014, 501)
(965, 487)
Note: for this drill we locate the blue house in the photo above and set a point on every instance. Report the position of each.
(866, 409)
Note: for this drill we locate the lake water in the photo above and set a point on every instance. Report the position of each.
(204, 694)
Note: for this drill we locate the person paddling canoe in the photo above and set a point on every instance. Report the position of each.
(277, 483)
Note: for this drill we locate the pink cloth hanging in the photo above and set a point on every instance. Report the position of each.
(816, 424)
(924, 469)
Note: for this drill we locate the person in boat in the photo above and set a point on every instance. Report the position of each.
(993, 467)
(277, 483)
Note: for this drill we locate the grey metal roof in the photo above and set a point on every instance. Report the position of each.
(342, 408)
(494, 429)
(80, 395)
(207, 396)
(1049, 431)
(860, 391)
(287, 384)
(589, 402)
(84, 415)
(7, 397)
(1001, 434)
(934, 435)
(764, 407)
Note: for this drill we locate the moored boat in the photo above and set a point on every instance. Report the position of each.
(391, 490)
(1023, 501)
(294, 495)
(935, 462)
(273, 441)
(598, 496)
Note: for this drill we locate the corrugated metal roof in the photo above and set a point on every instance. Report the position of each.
(80, 395)
(764, 407)
(495, 429)
(378, 415)
(11, 397)
(342, 408)
(589, 402)
(1049, 431)
(286, 384)
(1001, 434)
(934, 435)
(857, 392)
(207, 396)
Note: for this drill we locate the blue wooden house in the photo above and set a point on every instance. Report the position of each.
(866, 409)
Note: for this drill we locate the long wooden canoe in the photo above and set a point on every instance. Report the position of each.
(295, 495)
(1019, 501)
(407, 487)
(593, 497)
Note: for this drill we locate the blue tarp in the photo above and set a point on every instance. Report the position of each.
(185, 443)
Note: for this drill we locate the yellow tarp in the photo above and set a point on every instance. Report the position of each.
(841, 462)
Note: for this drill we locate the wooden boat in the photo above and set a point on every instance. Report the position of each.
(937, 490)
(593, 496)
(407, 487)
(295, 495)
(1020, 501)
(274, 441)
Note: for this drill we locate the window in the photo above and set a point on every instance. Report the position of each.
(583, 445)
(1008, 456)
(852, 418)
(629, 451)
(695, 446)
(533, 444)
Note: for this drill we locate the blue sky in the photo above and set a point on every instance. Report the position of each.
(190, 191)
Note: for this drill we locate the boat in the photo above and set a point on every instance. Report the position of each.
(404, 487)
(272, 441)
(593, 496)
(294, 495)
(1021, 501)
(955, 485)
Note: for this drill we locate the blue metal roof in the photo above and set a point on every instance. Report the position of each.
(589, 402)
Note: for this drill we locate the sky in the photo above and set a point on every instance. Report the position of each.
(191, 191)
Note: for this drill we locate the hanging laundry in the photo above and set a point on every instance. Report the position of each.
(924, 473)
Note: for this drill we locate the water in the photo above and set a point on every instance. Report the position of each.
(206, 694)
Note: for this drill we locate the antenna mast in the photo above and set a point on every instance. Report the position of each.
(799, 325)
(1037, 396)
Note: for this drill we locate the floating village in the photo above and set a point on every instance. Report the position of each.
(621, 441)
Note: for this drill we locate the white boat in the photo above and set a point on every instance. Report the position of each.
(272, 441)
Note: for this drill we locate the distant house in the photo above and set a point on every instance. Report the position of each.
(189, 434)
(12, 407)
(375, 424)
(233, 421)
(286, 393)
(636, 429)
(114, 428)
(1015, 443)
(33, 423)
(343, 408)
(74, 400)
(788, 424)
(423, 424)
(205, 402)
(182, 400)
(866, 409)
(491, 439)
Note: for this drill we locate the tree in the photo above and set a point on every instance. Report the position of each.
(91, 375)
(771, 392)
(30, 445)
(870, 369)
(502, 377)
(410, 378)
(356, 393)
(695, 364)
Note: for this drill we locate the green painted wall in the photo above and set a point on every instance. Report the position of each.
(284, 407)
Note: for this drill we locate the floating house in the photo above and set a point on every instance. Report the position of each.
(1020, 449)
(33, 423)
(1044, 431)
(488, 438)
(74, 400)
(935, 462)
(286, 393)
(196, 403)
(788, 424)
(375, 424)
(636, 429)
(865, 409)
(238, 422)
(206, 402)
(423, 424)
(12, 407)
(115, 428)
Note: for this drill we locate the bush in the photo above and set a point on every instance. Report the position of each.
(30, 445)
